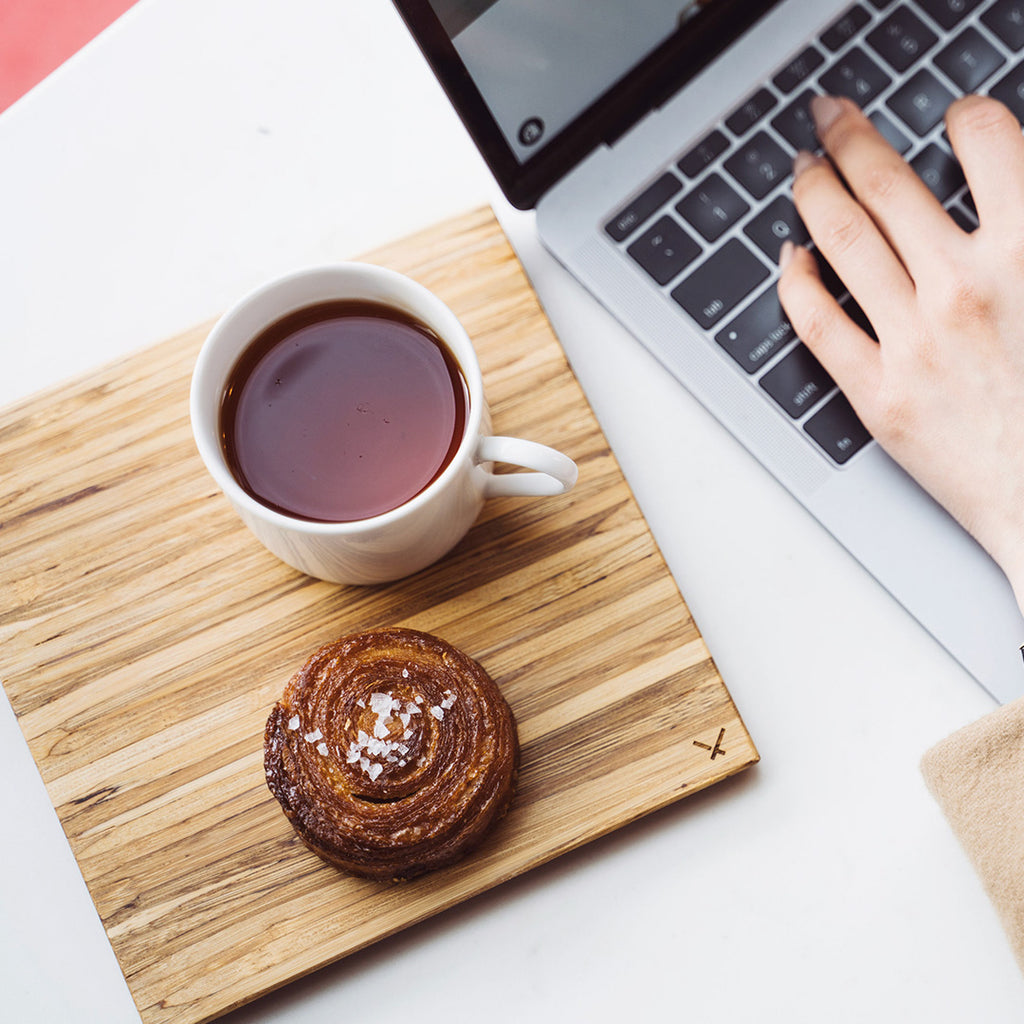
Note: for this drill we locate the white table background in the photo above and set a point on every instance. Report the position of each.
(199, 147)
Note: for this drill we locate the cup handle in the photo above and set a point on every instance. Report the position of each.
(554, 473)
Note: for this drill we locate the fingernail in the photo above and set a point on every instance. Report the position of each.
(802, 161)
(824, 110)
(786, 254)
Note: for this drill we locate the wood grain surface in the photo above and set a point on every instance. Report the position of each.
(145, 635)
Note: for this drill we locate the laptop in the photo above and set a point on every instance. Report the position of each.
(654, 139)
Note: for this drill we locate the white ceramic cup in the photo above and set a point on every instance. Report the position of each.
(424, 528)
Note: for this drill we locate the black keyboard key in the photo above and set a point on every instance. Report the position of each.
(921, 102)
(969, 60)
(896, 138)
(948, 12)
(701, 156)
(829, 278)
(1010, 90)
(759, 165)
(939, 171)
(664, 250)
(852, 308)
(797, 382)
(798, 69)
(1006, 19)
(778, 222)
(844, 28)
(902, 38)
(720, 283)
(856, 76)
(643, 207)
(750, 111)
(760, 331)
(838, 430)
(796, 125)
(712, 207)
(963, 220)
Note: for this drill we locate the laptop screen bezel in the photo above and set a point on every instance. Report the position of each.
(648, 85)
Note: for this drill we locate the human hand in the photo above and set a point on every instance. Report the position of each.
(942, 390)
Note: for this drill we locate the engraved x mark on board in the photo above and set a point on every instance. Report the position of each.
(716, 749)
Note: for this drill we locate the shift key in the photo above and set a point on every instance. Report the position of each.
(720, 283)
(798, 382)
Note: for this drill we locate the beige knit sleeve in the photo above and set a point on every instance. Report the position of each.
(977, 777)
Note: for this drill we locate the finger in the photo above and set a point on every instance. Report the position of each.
(849, 355)
(899, 202)
(988, 142)
(849, 238)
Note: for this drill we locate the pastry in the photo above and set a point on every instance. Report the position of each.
(391, 753)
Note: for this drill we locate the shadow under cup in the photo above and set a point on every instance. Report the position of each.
(341, 411)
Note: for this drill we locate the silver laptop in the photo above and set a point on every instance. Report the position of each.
(655, 138)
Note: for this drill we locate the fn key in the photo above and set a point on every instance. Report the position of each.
(837, 429)
(720, 282)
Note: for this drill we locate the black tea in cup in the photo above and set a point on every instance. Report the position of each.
(341, 411)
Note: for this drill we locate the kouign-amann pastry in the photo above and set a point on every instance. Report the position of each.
(392, 753)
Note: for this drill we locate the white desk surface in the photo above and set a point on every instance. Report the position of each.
(199, 147)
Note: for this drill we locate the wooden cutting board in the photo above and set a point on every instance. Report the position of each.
(145, 636)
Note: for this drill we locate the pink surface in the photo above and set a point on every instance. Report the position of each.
(37, 36)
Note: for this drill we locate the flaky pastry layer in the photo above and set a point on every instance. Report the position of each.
(391, 753)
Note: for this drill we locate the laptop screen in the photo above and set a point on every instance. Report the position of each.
(539, 83)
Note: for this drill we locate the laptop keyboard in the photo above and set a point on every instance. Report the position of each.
(708, 230)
